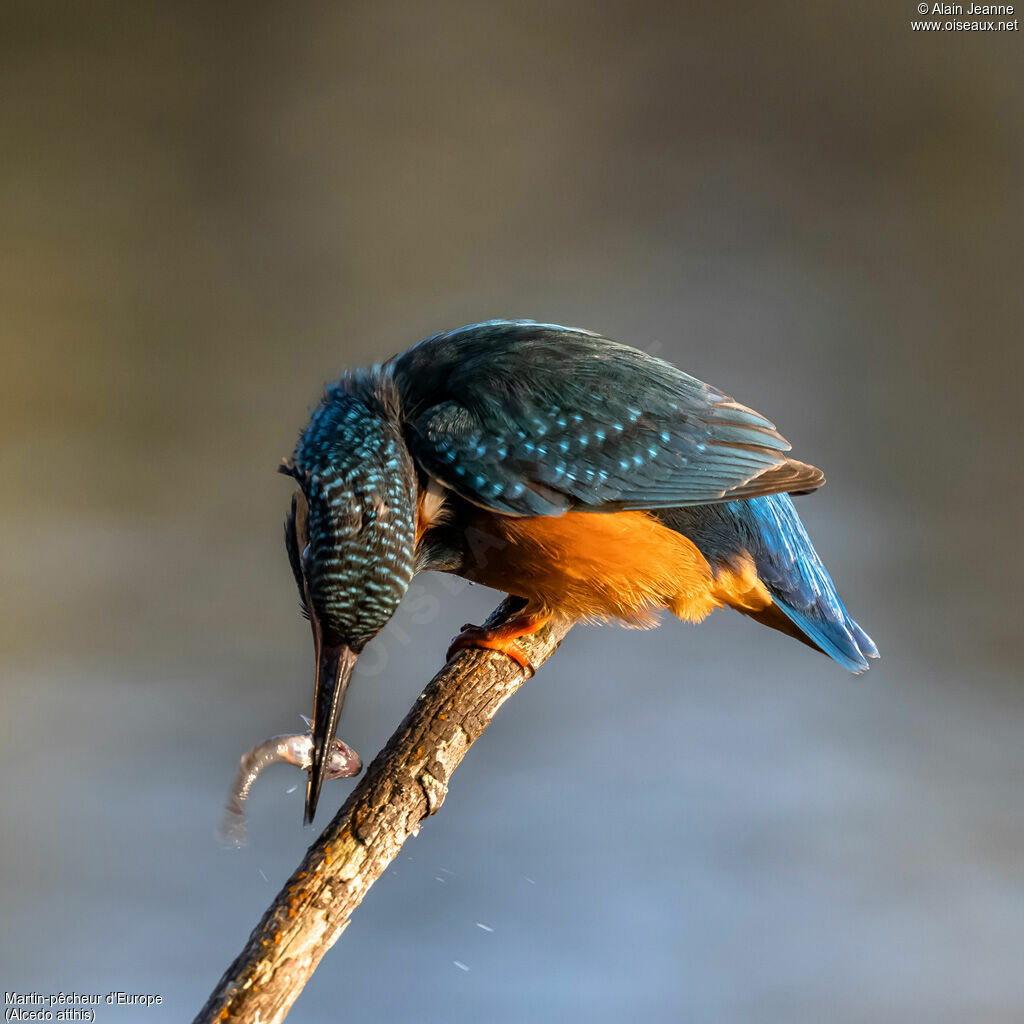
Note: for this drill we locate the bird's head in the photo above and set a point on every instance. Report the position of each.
(350, 538)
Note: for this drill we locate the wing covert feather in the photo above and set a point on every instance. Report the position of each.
(532, 419)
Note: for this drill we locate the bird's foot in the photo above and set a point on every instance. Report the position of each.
(501, 638)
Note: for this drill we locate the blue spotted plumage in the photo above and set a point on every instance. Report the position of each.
(359, 491)
(557, 418)
(585, 476)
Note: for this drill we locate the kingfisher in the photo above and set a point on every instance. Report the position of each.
(584, 477)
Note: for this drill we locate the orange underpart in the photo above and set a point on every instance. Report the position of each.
(597, 566)
(739, 587)
(592, 565)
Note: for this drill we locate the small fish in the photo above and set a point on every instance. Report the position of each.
(342, 762)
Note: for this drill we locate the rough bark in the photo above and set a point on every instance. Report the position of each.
(406, 783)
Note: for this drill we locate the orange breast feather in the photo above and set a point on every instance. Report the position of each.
(593, 566)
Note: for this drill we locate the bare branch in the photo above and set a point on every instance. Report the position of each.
(406, 782)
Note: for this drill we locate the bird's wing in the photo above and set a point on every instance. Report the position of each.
(532, 419)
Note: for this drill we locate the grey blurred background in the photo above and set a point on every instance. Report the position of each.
(208, 211)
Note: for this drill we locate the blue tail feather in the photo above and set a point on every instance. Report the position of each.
(833, 638)
(798, 581)
(769, 530)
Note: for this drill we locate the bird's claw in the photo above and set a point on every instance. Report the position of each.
(490, 640)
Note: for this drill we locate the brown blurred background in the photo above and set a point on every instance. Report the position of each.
(208, 211)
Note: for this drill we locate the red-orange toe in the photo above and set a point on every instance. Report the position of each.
(489, 640)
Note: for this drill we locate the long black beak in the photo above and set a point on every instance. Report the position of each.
(333, 671)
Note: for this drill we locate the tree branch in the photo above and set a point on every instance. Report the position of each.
(406, 782)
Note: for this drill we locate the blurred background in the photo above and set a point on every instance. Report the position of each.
(209, 211)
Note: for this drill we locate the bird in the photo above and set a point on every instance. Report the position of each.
(583, 476)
